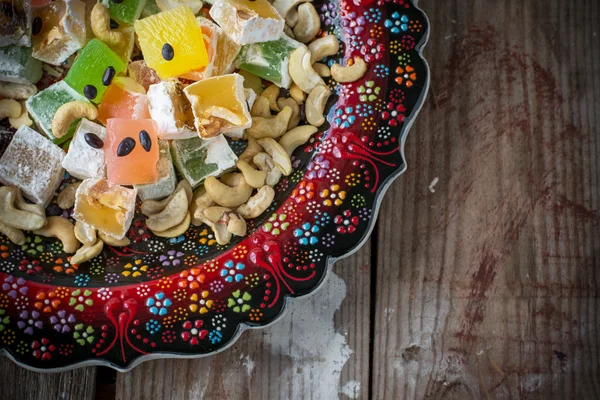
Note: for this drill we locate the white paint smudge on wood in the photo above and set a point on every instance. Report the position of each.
(351, 389)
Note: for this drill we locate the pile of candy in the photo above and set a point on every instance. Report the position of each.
(152, 87)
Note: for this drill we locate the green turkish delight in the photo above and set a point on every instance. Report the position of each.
(17, 65)
(127, 11)
(167, 179)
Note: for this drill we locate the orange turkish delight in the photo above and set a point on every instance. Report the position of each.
(124, 98)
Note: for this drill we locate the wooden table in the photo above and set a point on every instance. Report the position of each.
(487, 288)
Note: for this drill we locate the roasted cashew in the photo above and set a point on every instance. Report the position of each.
(289, 31)
(322, 69)
(265, 163)
(278, 154)
(350, 73)
(172, 215)
(253, 177)
(152, 207)
(62, 229)
(252, 81)
(291, 103)
(111, 241)
(87, 252)
(308, 24)
(201, 200)
(324, 47)
(291, 19)
(212, 216)
(225, 195)
(297, 94)
(301, 70)
(22, 119)
(315, 105)
(10, 108)
(284, 7)
(85, 234)
(296, 137)
(66, 197)
(235, 224)
(17, 91)
(252, 149)
(261, 108)
(69, 112)
(14, 217)
(270, 127)
(100, 21)
(258, 203)
(21, 204)
(13, 234)
(176, 230)
(271, 93)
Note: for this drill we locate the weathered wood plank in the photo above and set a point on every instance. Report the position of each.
(17, 383)
(318, 350)
(488, 288)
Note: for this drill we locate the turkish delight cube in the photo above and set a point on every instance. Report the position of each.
(125, 50)
(125, 98)
(171, 110)
(172, 42)
(34, 164)
(226, 48)
(107, 208)
(17, 65)
(196, 159)
(269, 60)
(150, 9)
(59, 30)
(15, 23)
(165, 5)
(85, 158)
(218, 114)
(167, 179)
(248, 21)
(127, 11)
(94, 70)
(238, 133)
(44, 105)
(142, 74)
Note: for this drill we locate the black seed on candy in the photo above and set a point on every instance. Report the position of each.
(93, 140)
(167, 52)
(125, 147)
(90, 91)
(108, 76)
(114, 24)
(145, 140)
(36, 26)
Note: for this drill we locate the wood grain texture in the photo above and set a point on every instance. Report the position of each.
(490, 288)
(17, 383)
(318, 349)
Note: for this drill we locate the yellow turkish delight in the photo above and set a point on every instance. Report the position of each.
(219, 105)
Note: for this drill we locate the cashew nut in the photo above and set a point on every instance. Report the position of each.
(23, 205)
(234, 223)
(100, 21)
(17, 91)
(301, 70)
(173, 214)
(62, 229)
(252, 81)
(111, 241)
(258, 203)
(85, 234)
(69, 112)
(315, 105)
(271, 93)
(297, 94)
(296, 137)
(291, 19)
(9, 108)
(322, 69)
(201, 200)
(14, 217)
(324, 47)
(270, 127)
(308, 24)
(66, 197)
(212, 217)
(152, 207)
(291, 103)
(252, 149)
(22, 119)
(225, 195)
(253, 177)
(176, 230)
(289, 31)
(13, 234)
(87, 252)
(284, 7)
(350, 73)
(265, 163)
(261, 108)
(278, 154)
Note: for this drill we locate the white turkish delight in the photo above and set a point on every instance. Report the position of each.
(171, 110)
(85, 158)
(167, 179)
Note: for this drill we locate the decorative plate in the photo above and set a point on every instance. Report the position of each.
(188, 297)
